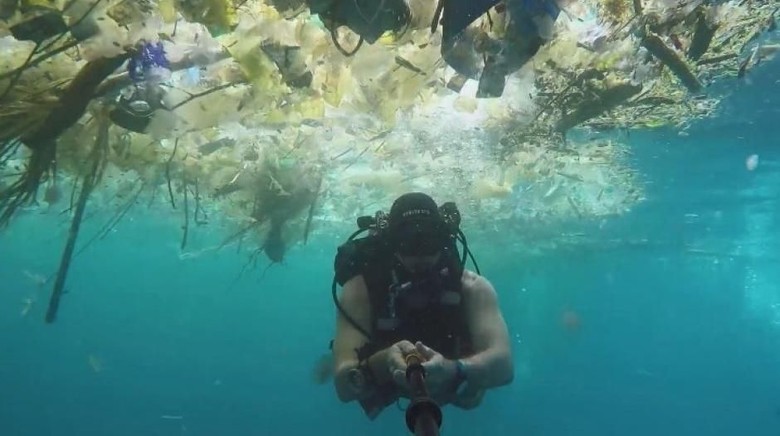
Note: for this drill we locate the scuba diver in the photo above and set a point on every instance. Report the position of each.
(405, 292)
(467, 46)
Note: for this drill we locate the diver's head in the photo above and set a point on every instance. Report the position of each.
(417, 233)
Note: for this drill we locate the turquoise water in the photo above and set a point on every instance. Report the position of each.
(677, 311)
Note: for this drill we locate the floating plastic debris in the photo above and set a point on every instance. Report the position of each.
(751, 163)
(259, 116)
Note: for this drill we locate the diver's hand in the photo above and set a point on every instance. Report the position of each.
(439, 371)
(396, 361)
(469, 399)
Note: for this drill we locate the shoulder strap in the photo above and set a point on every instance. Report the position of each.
(354, 257)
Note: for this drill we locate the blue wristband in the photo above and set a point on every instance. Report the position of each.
(459, 382)
(460, 371)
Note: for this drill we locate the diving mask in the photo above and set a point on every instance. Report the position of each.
(136, 106)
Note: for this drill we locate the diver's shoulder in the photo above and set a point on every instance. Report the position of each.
(473, 282)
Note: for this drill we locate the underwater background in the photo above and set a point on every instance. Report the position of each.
(666, 322)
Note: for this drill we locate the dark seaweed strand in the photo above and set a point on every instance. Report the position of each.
(198, 207)
(73, 190)
(312, 207)
(18, 74)
(204, 93)
(7, 150)
(153, 195)
(43, 141)
(25, 189)
(168, 172)
(98, 156)
(252, 259)
(638, 7)
(238, 236)
(69, 45)
(186, 226)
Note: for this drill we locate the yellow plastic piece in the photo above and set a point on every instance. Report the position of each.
(312, 108)
(259, 70)
(336, 83)
(387, 38)
(167, 10)
(42, 4)
(277, 116)
(218, 15)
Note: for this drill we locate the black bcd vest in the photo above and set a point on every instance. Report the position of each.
(439, 324)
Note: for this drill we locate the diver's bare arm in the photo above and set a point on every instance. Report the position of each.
(354, 301)
(491, 364)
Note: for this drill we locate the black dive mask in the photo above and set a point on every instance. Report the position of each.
(427, 235)
(136, 105)
(419, 239)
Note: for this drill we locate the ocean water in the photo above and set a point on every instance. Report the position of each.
(666, 323)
